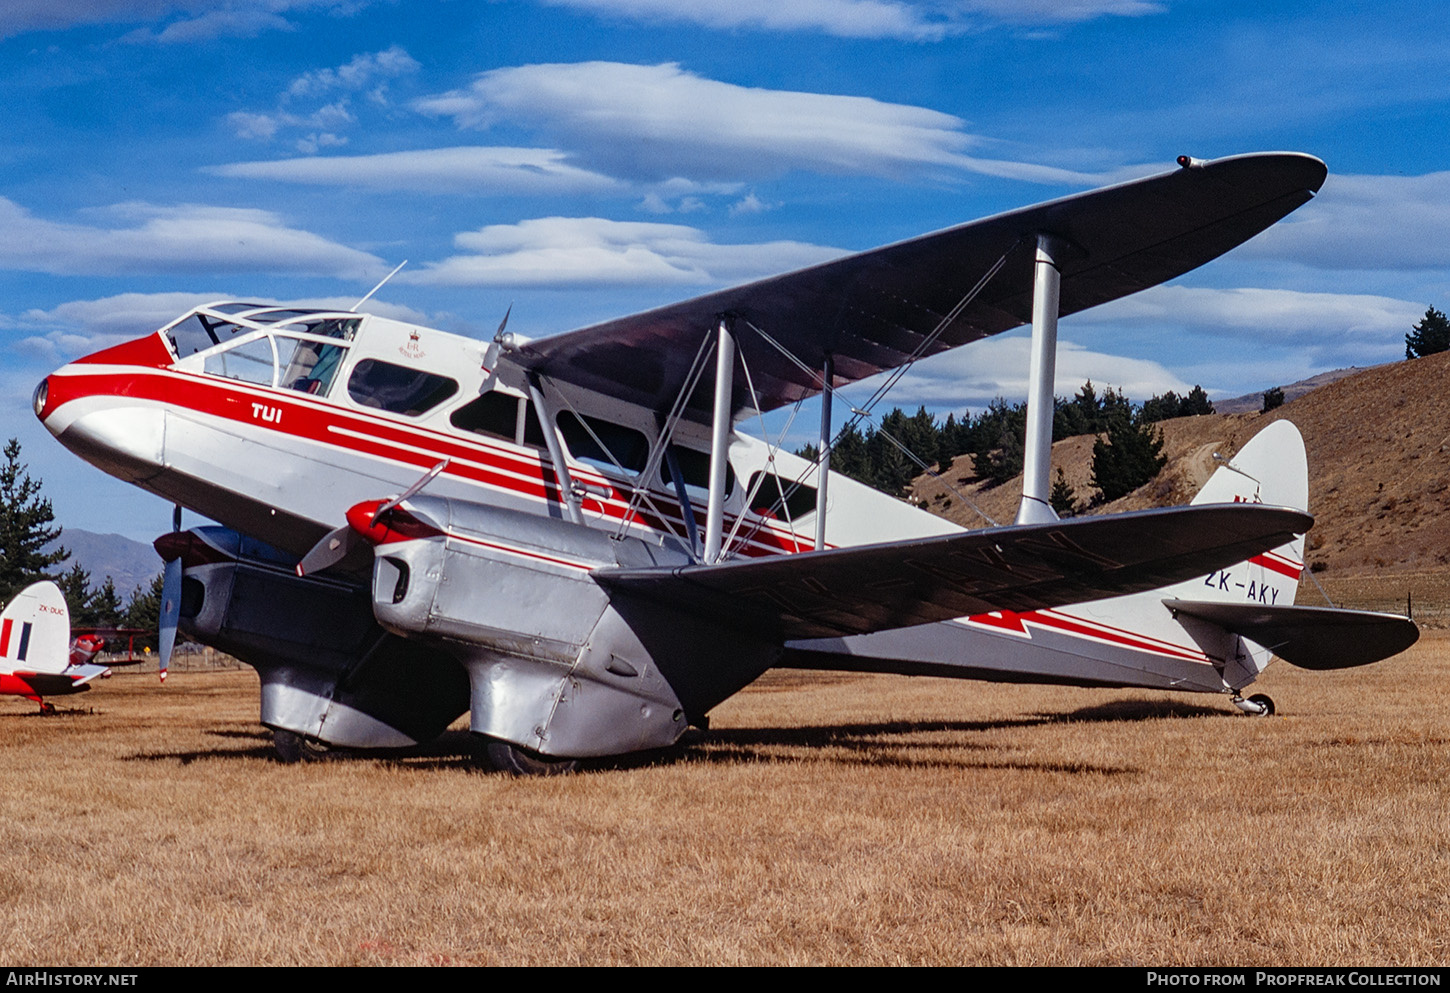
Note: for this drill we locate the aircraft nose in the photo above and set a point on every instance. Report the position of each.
(39, 398)
(124, 440)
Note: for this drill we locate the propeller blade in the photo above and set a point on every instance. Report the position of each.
(330, 550)
(170, 611)
(490, 363)
(427, 478)
(503, 323)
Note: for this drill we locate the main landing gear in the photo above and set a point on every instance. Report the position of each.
(1258, 705)
(293, 748)
(508, 757)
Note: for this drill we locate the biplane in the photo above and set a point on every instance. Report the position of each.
(570, 539)
(38, 657)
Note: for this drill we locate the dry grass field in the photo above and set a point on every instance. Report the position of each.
(822, 820)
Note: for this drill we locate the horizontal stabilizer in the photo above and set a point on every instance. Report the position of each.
(868, 588)
(72, 680)
(1310, 637)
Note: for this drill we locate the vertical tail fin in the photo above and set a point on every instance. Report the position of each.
(35, 630)
(1271, 468)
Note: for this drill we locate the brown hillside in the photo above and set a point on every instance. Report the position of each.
(1379, 469)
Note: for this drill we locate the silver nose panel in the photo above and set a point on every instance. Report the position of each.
(127, 442)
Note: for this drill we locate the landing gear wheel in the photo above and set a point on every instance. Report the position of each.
(1266, 702)
(46, 707)
(508, 757)
(293, 748)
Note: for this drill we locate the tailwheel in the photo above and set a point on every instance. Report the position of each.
(46, 707)
(292, 747)
(1258, 705)
(507, 757)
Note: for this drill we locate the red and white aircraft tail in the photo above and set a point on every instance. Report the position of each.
(35, 647)
(1214, 633)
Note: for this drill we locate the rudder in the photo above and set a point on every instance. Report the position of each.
(35, 630)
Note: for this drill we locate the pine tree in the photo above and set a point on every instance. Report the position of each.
(107, 605)
(1130, 455)
(1196, 403)
(144, 611)
(1273, 398)
(26, 520)
(1162, 408)
(75, 586)
(1431, 335)
(1062, 499)
(999, 435)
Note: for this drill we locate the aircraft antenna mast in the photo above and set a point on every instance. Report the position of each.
(354, 307)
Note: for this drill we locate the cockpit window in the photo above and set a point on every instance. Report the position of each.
(328, 327)
(251, 362)
(198, 332)
(308, 366)
(213, 324)
(398, 389)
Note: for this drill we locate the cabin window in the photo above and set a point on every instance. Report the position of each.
(533, 430)
(695, 467)
(398, 389)
(629, 448)
(800, 499)
(494, 414)
(251, 362)
(308, 366)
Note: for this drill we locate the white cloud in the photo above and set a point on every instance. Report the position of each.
(261, 127)
(20, 16)
(227, 23)
(593, 251)
(311, 143)
(357, 74)
(264, 127)
(749, 204)
(865, 18)
(189, 20)
(475, 170)
(1367, 222)
(1059, 11)
(363, 72)
(974, 375)
(1333, 328)
(658, 122)
(187, 238)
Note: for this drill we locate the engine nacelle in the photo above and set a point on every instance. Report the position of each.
(328, 671)
(555, 664)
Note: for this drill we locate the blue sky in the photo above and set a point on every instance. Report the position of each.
(580, 159)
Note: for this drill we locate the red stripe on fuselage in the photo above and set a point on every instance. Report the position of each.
(12, 685)
(327, 424)
(1281, 566)
(1016, 623)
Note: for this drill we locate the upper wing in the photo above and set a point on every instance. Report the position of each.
(868, 588)
(871, 310)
